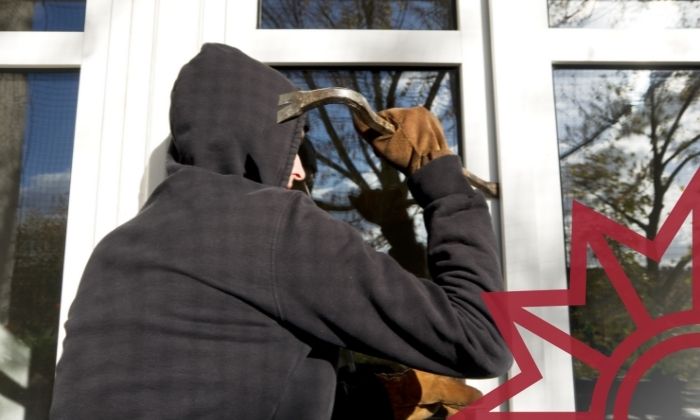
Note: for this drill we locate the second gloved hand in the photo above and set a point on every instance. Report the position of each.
(418, 139)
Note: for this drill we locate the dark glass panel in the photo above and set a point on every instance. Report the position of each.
(358, 14)
(42, 15)
(352, 183)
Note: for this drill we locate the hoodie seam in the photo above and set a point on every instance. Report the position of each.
(273, 260)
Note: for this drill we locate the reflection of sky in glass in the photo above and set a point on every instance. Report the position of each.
(48, 140)
(642, 14)
(344, 14)
(348, 167)
(59, 15)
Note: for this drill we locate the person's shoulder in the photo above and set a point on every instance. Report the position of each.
(289, 203)
(198, 192)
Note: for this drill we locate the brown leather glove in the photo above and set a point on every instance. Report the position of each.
(418, 139)
(421, 395)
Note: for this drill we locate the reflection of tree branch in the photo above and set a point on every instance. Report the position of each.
(676, 122)
(434, 89)
(602, 129)
(403, 6)
(678, 168)
(675, 273)
(377, 85)
(620, 211)
(566, 16)
(353, 173)
(390, 103)
(324, 13)
(685, 145)
(353, 80)
(368, 8)
(653, 123)
(389, 178)
(328, 162)
(268, 16)
(333, 207)
(391, 95)
(364, 147)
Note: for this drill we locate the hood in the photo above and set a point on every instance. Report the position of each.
(223, 117)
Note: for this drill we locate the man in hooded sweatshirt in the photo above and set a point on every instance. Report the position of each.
(229, 295)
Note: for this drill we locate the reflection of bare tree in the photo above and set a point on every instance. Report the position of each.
(600, 109)
(13, 97)
(628, 185)
(352, 182)
(592, 13)
(358, 14)
(16, 15)
(621, 13)
(564, 13)
(36, 290)
(629, 141)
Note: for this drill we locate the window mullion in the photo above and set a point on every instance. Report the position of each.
(339, 46)
(41, 49)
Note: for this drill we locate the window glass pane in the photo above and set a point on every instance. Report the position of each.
(646, 14)
(351, 14)
(351, 182)
(355, 186)
(629, 141)
(37, 110)
(42, 15)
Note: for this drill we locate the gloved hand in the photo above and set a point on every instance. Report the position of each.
(421, 395)
(418, 139)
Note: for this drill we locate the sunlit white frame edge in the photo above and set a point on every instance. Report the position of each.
(40, 50)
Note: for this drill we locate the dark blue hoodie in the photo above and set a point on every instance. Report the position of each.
(228, 296)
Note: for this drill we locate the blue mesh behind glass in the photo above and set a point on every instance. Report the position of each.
(48, 140)
(59, 15)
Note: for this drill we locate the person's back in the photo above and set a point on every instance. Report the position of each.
(228, 295)
(175, 317)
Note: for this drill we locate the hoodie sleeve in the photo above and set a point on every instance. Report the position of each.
(331, 285)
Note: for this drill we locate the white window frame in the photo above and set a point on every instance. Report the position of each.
(525, 51)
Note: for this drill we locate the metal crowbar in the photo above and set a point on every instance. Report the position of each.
(294, 104)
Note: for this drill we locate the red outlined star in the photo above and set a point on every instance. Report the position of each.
(592, 230)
